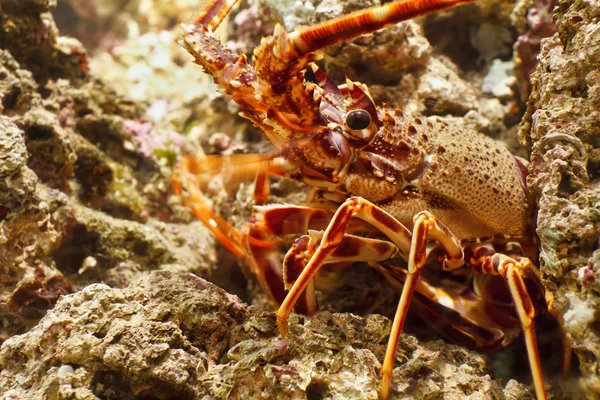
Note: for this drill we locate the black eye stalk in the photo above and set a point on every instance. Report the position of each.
(357, 120)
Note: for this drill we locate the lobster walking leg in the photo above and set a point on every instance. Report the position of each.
(276, 221)
(353, 207)
(357, 207)
(350, 250)
(511, 270)
(193, 172)
(256, 246)
(385, 223)
(531, 271)
(424, 225)
(279, 220)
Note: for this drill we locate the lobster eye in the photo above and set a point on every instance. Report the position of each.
(358, 120)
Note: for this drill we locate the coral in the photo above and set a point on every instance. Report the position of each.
(562, 127)
(539, 26)
(499, 79)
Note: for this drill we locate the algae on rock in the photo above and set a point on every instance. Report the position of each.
(562, 128)
(173, 334)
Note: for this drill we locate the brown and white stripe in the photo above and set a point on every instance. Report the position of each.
(360, 22)
(213, 13)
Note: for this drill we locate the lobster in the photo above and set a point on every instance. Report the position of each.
(388, 185)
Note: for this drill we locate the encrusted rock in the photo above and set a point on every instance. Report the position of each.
(562, 127)
(84, 191)
(176, 335)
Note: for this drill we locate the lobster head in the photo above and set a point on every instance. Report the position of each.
(338, 129)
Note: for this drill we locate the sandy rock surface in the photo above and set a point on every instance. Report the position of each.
(174, 334)
(562, 126)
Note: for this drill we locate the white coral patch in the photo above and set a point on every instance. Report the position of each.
(581, 314)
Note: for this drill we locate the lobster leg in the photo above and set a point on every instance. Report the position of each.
(350, 250)
(279, 220)
(256, 245)
(352, 207)
(532, 271)
(457, 314)
(511, 270)
(193, 172)
(567, 354)
(388, 225)
(424, 225)
(384, 222)
(508, 268)
(276, 221)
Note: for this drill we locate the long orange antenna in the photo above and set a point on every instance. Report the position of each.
(213, 13)
(307, 40)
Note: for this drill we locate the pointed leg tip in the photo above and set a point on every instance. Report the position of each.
(282, 324)
(385, 384)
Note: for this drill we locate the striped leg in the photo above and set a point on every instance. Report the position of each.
(512, 270)
(416, 246)
(462, 314)
(192, 174)
(274, 221)
(333, 236)
(257, 245)
(531, 271)
(425, 225)
(351, 249)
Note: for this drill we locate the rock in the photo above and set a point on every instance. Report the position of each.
(562, 127)
(176, 335)
(77, 204)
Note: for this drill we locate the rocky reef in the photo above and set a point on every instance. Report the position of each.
(85, 189)
(176, 335)
(562, 129)
(104, 275)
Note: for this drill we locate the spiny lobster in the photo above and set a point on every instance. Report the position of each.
(389, 185)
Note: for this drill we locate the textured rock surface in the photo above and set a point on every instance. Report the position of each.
(82, 199)
(176, 335)
(562, 126)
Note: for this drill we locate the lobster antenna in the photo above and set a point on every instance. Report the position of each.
(307, 40)
(213, 13)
